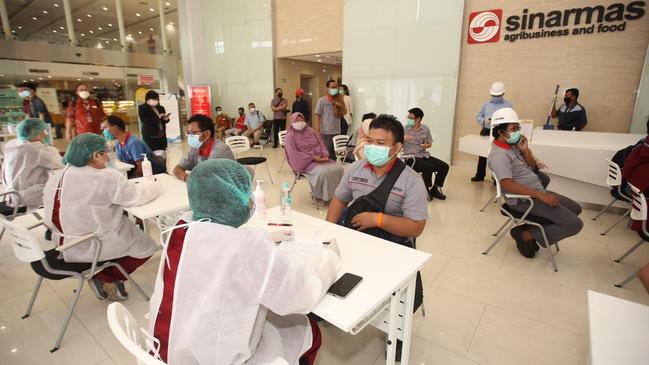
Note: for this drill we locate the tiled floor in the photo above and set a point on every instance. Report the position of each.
(495, 309)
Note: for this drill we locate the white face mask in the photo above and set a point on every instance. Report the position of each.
(152, 102)
(299, 125)
(218, 112)
(252, 110)
(84, 94)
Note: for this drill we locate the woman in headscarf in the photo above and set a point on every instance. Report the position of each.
(307, 154)
(361, 137)
(227, 294)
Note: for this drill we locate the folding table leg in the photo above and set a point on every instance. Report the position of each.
(407, 321)
(392, 328)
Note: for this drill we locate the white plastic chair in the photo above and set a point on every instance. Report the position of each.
(638, 213)
(340, 146)
(133, 337)
(16, 202)
(27, 250)
(614, 180)
(516, 219)
(282, 140)
(241, 144)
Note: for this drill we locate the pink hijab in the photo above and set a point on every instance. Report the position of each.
(301, 146)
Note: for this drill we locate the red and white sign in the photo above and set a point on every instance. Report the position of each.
(484, 26)
(146, 80)
(199, 99)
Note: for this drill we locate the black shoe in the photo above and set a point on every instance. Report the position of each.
(274, 146)
(526, 248)
(120, 291)
(477, 178)
(436, 192)
(48, 235)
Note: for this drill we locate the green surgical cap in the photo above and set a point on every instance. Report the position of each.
(82, 147)
(29, 128)
(220, 190)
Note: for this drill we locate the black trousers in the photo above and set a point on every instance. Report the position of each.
(278, 125)
(426, 166)
(481, 170)
(344, 127)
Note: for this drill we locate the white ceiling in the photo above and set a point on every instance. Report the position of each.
(332, 58)
(88, 17)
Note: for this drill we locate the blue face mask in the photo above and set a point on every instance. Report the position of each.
(514, 137)
(23, 94)
(194, 140)
(377, 155)
(107, 135)
(410, 123)
(333, 92)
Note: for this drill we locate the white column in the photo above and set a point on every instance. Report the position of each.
(163, 28)
(120, 24)
(68, 22)
(5, 20)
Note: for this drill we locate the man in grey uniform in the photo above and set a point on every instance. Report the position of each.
(326, 120)
(203, 145)
(513, 163)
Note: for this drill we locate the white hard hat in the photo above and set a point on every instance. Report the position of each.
(504, 116)
(497, 89)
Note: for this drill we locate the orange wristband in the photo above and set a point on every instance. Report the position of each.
(379, 220)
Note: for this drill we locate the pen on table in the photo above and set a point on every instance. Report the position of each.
(280, 224)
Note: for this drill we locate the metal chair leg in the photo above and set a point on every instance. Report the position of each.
(282, 164)
(501, 228)
(628, 212)
(499, 237)
(549, 248)
(270, 176)
(605, 209)
(130, 280)
(625, 281)
(638, 244)
(423, 309)
(2, 233)
(66, 322)
(33, 299)
(491, 200)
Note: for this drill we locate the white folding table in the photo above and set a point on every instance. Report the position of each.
(385, 296)
(619, 330)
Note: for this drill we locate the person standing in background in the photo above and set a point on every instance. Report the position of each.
(84, 114)
(301, 106)
(151, 43)
(571, 114)
(221, 122)
(328, 112)
(346, 120)
(279, 107)
(33, 106)
(483, 119)
(153, 118)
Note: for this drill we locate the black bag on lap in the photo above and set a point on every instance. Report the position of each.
(375, 202)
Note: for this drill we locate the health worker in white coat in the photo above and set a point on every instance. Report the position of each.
(88, 196)
(230, 295)
(28, 163)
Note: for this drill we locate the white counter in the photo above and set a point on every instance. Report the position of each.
(576, 160)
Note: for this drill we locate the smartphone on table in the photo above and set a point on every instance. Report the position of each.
(343, 286)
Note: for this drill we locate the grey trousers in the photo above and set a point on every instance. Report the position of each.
(565, 218)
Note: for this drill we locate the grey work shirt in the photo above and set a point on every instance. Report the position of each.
(408, 197)
(329, 122)
(193, 157)
(509, 163)
(420, 136)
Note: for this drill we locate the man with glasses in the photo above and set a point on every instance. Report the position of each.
(203, 145)
(513, 163)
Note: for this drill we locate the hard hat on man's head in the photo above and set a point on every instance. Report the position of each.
(497, 89)
(504, 116)
(299, 92)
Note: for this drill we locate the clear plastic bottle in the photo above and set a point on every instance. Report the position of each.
(285, 203)
(260, 201)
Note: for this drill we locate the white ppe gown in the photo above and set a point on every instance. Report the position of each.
(238, 298)
(26, 168)
(92, 201)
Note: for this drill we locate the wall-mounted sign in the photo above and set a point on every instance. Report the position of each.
(199, 99)
(486, 26)
(145, 80)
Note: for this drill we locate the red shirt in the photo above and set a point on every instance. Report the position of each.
(502, 145)
(87, 117)
(206, 150)
(240, 123)
(373, 168)
(636, 172)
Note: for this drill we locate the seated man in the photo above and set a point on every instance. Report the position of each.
(87, 197)
(27, 164)
(130, 149)
(239, 126)
(417, 140)
(254, 123)
(203, 145)
(226, 294)
(636, 173)
(513, 163)
(221, 122)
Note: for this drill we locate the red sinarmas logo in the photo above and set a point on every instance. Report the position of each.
(484, 26)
